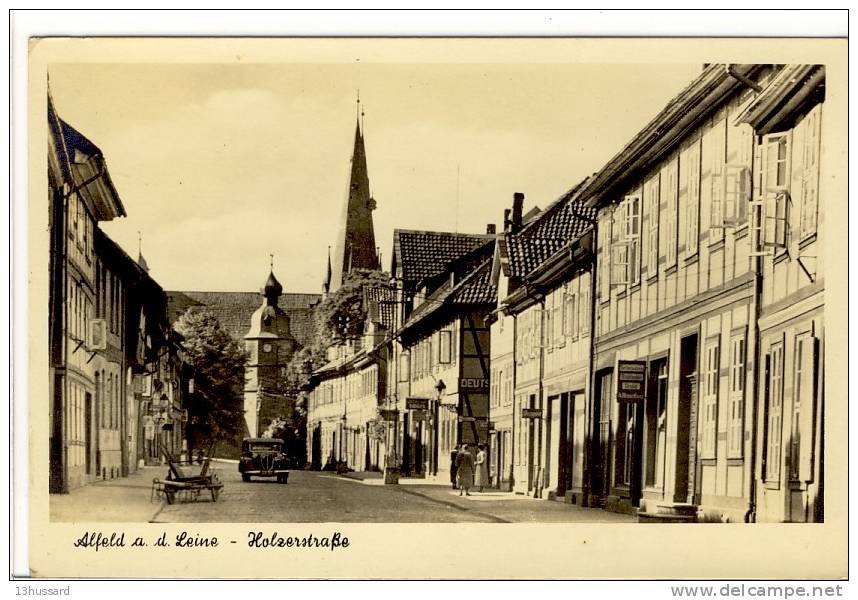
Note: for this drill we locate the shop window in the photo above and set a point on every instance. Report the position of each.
(735, 432)
(802, 437)
(774, 412)
(656, 432)
(710, 399)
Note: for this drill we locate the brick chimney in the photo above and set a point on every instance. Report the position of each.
(490, 229)
(507, 221)
(517, 206)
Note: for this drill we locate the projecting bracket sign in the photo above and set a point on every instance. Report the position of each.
(417, 403)
(631, 380)
(389, 414)
(531, 413)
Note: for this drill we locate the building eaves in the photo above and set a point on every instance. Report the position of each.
(786, 91)
(700, 98)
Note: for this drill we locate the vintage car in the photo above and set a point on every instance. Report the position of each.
(263, 457)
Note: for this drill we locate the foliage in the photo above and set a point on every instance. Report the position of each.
(290, 428)
(340, 315)
(216, 408)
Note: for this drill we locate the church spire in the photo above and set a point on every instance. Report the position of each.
(355, 245)
(140, 260)
(326, 284)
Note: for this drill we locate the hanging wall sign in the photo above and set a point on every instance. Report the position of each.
(417, 403)
(389, 415)
(631, 380)
(531, 413)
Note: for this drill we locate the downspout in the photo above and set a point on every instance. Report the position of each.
(588, 454)
(512, 461)
(541, 399)
(754, 329)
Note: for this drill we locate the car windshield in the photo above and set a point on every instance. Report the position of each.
(261, 447)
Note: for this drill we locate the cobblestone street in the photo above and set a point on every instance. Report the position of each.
(320, 497)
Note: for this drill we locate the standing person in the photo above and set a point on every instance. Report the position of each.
(465, 470)
(454, 454)
(482, 468)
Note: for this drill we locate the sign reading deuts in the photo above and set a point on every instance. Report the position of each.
(474, 383)
(631, 380)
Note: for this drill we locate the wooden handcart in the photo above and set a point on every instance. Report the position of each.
(180, 484)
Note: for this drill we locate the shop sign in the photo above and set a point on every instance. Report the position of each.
(474, 384)
(420, 415)
(389, 414)
(417, 403)
(531, 413)
(631, 379)
(467, 419)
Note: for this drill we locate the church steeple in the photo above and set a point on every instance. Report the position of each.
(355, 245)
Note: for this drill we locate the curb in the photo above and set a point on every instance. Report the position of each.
(158, 512)
(454, 505)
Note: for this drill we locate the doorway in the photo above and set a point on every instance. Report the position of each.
(686, 430)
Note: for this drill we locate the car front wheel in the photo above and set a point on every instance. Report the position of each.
(245, 477)
(282, 478)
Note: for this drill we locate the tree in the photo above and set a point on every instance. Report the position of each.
(341, 315)
(216, 408)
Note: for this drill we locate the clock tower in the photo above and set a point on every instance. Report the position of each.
(270, 346)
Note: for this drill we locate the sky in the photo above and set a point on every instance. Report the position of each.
(221, 165)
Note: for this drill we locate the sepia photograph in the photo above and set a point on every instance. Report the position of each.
(429, 282)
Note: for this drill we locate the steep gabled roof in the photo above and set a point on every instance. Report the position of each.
(380, 302)
(563, 221)
(474, 289)
(83, 166)
(424, 254)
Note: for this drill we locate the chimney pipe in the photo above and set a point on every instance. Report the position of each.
(490, 229)
(507, 222)
(517, 206)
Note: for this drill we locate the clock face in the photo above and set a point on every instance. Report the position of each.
(266, 348)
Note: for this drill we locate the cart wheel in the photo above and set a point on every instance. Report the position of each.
(245, 478)
(215, 494)
(171, 496)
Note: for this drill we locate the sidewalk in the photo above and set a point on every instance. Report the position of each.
(120, 500)
(501, 506)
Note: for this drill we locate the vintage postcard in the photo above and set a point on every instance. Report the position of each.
(356, 308)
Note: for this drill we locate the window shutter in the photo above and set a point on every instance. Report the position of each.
(716, 206)
(619, 264)
(605, 265)
(807, 420)
(810, 175)
(692, 230)
(671, 200)
(653, 199)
